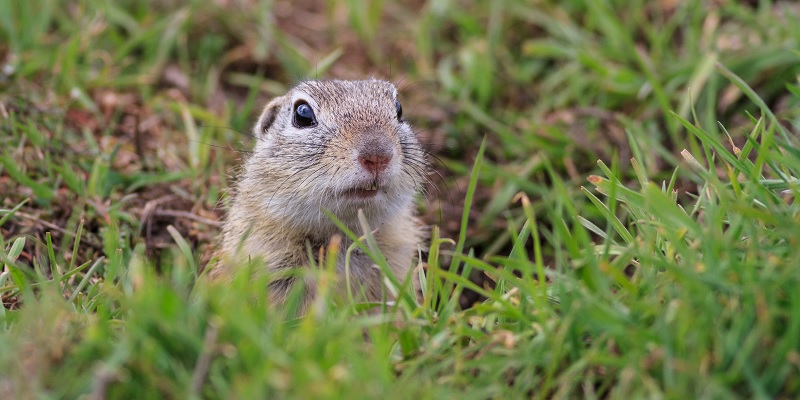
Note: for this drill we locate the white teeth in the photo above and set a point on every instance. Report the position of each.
(373, 186)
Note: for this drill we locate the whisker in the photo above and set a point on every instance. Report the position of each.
(223, 147)
(276, 191)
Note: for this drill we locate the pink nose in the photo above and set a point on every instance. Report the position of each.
(375, 152)
(375, 162)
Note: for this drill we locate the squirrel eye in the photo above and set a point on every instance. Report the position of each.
(303, 115)
(399, 110)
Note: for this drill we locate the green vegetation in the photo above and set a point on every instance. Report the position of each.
(671, 265)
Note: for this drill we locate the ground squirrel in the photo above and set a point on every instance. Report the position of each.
(335, 145)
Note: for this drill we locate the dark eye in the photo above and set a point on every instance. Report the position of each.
(303, 115)
(399, 110)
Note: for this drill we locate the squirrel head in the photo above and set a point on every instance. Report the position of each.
(335, 145)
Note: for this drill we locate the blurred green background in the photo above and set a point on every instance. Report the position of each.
(551, 85)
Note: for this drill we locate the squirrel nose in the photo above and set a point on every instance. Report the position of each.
(375, 154)
(375, 163)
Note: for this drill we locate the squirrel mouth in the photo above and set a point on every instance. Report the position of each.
(367, 191)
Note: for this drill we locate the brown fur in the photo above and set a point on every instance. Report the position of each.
(294, 173)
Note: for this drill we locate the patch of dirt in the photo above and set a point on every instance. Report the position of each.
(163, 205)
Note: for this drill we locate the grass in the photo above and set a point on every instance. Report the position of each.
(667, 269)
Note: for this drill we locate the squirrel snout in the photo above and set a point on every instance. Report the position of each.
(375, 154)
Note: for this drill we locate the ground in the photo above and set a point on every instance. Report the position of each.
(615, 178)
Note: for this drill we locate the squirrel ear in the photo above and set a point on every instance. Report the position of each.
(268, 117)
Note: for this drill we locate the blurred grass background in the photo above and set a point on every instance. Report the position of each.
(671, 275)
